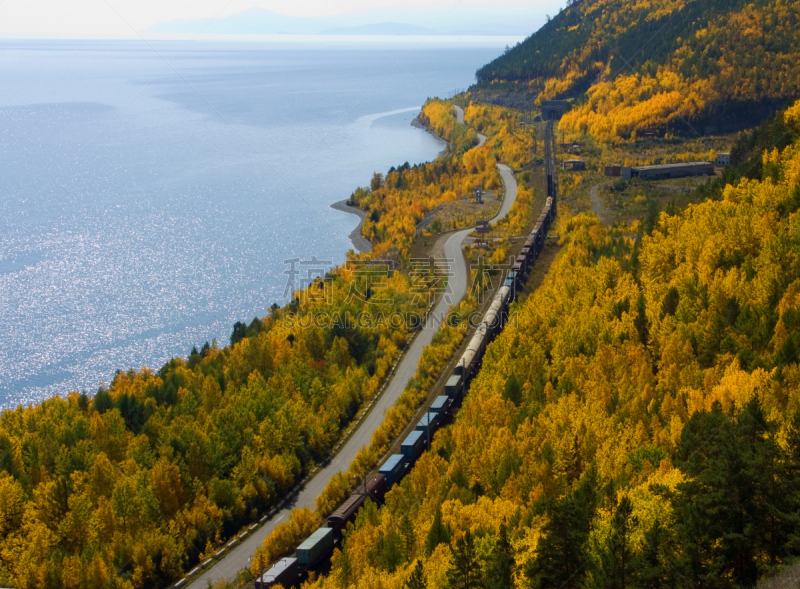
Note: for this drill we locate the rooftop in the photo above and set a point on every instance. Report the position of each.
(391, 462)
(412, 438)
(672, 166)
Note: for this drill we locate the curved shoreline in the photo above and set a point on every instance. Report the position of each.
(419, 124)
(359, 242)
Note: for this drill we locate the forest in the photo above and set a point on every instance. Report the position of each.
(636, 66)
(638, 427)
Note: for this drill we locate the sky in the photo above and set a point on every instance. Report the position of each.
(126, 18)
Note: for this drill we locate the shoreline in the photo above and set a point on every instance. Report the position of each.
(359, 242)
(417, 122)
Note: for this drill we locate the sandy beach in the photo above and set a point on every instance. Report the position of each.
(359, 242)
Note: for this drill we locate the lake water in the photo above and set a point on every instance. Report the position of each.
(149, 196)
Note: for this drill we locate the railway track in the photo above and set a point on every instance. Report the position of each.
(238, 553)
(290, 571)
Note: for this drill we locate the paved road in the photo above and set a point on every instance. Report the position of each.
(239, 556)
(460, 119)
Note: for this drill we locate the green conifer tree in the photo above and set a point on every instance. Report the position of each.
(438, 534)
(618, 558)
(500, 568)
(416, 579)
(465, 569)
(561, 558)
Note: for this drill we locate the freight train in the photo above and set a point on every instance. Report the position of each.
(289, 571)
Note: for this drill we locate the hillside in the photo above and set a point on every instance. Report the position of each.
(658, 65)
(638, 426)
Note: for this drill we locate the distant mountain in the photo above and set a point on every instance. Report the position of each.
(384, 28)
(464, 21)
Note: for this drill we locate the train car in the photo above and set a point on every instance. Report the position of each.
(346, 512)
(466, 363)
(441, 404)
(453, 387)
(516, 269)
(505, 297)
(428, 424)
(413, 446)
(530, 243)
(473, 354)
(393, 469)
(531, 240)
(376, 487)
(513, 276)
(540, 231)
(489, 318)
(373, 488)
(523, 264)
(495, 314)
(493, 319)
(509, 284)
(316, 547)
(286, 572)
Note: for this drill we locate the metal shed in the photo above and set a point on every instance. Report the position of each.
(574, 165)
(662, 172)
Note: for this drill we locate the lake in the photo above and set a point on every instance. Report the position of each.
(150, 194)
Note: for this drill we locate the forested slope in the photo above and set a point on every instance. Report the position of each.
(135, 485)
(638, 427)
(653, 65)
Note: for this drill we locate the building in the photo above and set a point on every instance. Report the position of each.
(615, 170)
(553, 109)
(665, 171)
(723, 159)
(574, 165)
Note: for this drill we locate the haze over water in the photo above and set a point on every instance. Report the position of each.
(147, 202)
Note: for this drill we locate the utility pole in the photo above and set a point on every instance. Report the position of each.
(428, 431)
(365, 482)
